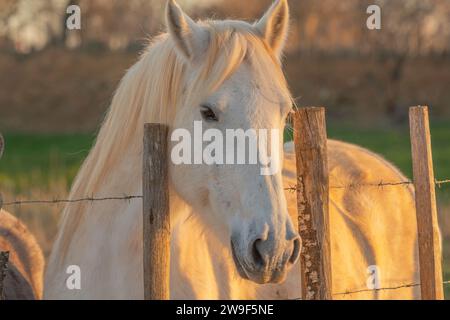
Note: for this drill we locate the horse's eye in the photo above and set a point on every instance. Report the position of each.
(208, 114)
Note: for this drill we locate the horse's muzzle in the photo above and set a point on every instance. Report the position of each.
(262, 264)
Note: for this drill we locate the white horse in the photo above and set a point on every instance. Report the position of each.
(232, 234)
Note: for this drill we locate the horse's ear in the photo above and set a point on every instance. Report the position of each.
(274, 26)
(190, 38)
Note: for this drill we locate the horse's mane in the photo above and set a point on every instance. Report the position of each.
(152, 91)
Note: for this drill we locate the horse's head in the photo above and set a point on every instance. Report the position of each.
(234, 81)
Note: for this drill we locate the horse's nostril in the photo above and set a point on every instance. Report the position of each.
(297, 245)
(256, 253)
(262, 251)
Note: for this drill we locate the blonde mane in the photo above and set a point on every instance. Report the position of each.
(152, 91)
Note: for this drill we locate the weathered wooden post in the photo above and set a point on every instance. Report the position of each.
(427, 220)
(310, 138)
(155, 188)
(4, 257)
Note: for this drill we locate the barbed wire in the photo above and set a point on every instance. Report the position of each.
(410, 285)
(59, 201)
(440, 183)
(380, 184)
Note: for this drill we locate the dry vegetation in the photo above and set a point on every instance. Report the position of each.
(58, 90)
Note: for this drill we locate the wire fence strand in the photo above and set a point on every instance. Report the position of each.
(410, 285)
(442, 182)
(404, 286)
(381, 184)
(60, 201)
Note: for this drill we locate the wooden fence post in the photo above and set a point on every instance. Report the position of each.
(4, 257)
(310, 138)
(427, 221)
(155, 188)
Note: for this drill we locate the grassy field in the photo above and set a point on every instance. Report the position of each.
(43, 167)
(38, 161)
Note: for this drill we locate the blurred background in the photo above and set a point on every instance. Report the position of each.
(56, 84)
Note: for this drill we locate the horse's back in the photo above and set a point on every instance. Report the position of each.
(24, 278)
(372, 227)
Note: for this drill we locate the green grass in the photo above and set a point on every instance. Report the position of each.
(34, 161)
